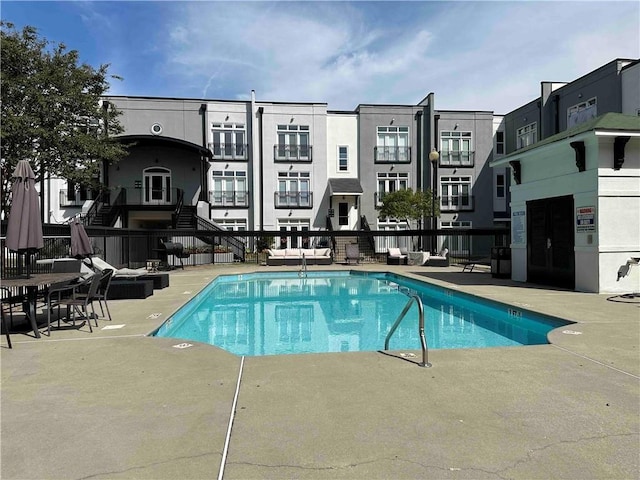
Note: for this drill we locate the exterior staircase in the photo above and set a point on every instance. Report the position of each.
(366, 251)
(186, 217)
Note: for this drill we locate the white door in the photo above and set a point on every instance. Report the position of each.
(156, 185)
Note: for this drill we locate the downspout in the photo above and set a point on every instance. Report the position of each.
(261, 166)
(204, 193)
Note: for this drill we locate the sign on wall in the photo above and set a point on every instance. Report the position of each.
(518, 227)
(585, 219)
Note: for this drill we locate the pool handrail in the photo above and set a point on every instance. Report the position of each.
(423, 340)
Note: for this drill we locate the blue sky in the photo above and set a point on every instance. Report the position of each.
(472, 55)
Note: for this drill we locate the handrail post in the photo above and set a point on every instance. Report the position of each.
(423, 340)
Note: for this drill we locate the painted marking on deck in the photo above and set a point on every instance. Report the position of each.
(112, 327)
(154, 315)
(571, 332)
(183, 345)
(187, 292)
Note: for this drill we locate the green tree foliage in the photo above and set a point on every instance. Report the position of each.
(408, 205)
(52, 113)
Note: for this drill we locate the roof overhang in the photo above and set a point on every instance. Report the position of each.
(345, 186)
(155, 140)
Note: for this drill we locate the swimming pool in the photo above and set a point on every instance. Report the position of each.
(281, 313)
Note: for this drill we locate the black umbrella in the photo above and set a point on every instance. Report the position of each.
(80, 243)
(24, 230)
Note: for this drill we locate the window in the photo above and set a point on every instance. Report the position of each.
(390, 182)
(393, 145)
(582, 112)
(229, 141)
(455, 149)
(293, 143)
(499, 142)
(456, 193)
(229, 189)
(456, 243)
(458, 224)
(343, 159)
(76, 195)
(294, 190)
(392, 225)
(293, 225)
(527, 135)
(500, 187)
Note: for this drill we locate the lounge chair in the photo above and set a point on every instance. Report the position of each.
(396, 257)
(440, 260)
(352, 253)
(160, 280)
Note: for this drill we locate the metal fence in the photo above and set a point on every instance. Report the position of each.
(133, 248)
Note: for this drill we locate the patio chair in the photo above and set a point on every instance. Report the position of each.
(102, 292)
(9, 300)
(352, 253)
(396, 257)
(70, 296)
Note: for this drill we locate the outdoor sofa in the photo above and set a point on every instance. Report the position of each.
(293, 256)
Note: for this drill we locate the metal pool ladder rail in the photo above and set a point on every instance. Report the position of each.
(303, 267)
(423, 340)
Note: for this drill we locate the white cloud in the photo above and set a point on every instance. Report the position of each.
(473, 55)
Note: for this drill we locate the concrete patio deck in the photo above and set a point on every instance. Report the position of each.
(119, 404)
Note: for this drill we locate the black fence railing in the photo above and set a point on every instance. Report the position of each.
(229, 151)
(132, 248)
(392, 154)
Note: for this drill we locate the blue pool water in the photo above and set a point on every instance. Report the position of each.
(280, 313)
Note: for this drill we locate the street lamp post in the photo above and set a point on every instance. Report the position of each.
(433, 158)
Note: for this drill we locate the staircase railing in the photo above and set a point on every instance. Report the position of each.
(91, 214)
(236, 245)
(116, 208)
(364, 225)
(330, 229)
(423, 340)
(179, 204)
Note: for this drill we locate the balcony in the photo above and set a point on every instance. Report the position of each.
(293, 199)
(292, 153)
(463, 158)
(456, 203)
(392, 154)
(229, 151)
(76, 199)
(229, 199)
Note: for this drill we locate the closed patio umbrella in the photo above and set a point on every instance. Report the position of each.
(24, 229)
(80, 243)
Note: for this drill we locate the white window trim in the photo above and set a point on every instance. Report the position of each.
(339, 170)
(524, 132)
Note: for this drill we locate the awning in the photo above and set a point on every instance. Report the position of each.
(154, 140)
(345, 186)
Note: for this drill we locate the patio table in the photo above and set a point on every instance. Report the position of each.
(32, 284)
(417, 258)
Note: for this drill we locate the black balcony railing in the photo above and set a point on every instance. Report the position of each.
(229, 199)
(151, 196)
(292, 153)
(229, 151)
(392, 154)
(456, 203)
(457, 159)
(293, 199)
(75, 198)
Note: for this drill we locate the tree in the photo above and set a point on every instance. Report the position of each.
(408, 205)
(52, 114)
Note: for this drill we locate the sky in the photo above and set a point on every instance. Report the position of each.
(473, 55)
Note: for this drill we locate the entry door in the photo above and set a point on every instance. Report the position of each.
(550, 242)
(157, 186)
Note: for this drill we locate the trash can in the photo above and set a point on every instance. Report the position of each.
(501, 262)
